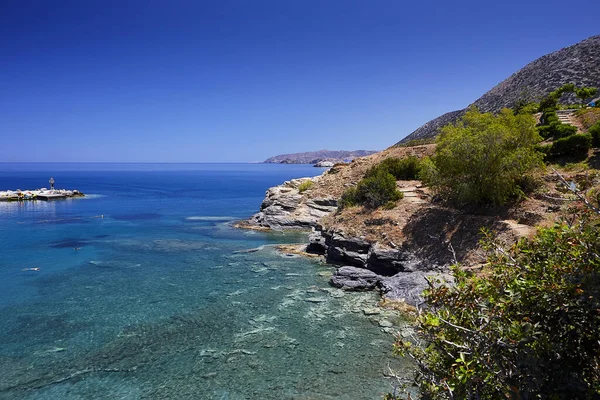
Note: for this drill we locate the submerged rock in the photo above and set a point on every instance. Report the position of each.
(409, 286)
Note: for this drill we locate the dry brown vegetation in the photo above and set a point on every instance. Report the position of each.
(588, 117)
(428, 227)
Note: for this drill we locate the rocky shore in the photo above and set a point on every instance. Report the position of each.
(398, 273)
(284, 207)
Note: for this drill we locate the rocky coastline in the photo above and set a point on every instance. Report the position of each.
(397, 273)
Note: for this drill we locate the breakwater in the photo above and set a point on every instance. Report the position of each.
(38, 194)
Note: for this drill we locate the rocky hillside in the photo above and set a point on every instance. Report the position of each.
(578, 64)
(313, 157)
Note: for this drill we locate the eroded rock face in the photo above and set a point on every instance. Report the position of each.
(285, 208)
(388, 262)
(347, 250)
(353, 278)
(317, 243)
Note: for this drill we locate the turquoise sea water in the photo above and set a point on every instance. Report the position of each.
(144, 291)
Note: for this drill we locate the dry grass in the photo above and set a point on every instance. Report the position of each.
(588, 117)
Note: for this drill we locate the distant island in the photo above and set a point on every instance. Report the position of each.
(314, 157)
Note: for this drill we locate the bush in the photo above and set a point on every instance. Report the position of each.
(401, 168)
(527, 330)
(304, 186)
(348, 198)
(575, 146)
(377, 189)
(550, 117)
(594, 131)
(481, 158)
(563, 130)
(373, 191)
(556, 130)
(545, 131)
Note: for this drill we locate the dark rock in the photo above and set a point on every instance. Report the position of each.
(389, 262)
(342, 250)
(352, 278)
(316, 243)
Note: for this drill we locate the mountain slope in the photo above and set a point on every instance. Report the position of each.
(578, 64)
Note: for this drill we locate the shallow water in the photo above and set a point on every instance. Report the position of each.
(142, 293)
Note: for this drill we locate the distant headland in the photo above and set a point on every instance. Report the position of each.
(314, 157)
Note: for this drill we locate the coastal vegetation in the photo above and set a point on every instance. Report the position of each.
(376, 189)
(401, 168)
(304, 186)
(483, 158)
(526, 329)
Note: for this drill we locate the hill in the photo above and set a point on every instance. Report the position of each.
(577, 64)
(313, 157)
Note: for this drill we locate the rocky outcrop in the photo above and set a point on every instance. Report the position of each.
(388, 262)
(577, 64)
(403, 286)
(347, 250)
(353, 278)
(398, 273)
(284, 207)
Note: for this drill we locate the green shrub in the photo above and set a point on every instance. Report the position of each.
(304, 186)
(563, 130)
(401, 168)
(595, 132)
(348, 198)
(527, 330)
(550, 117)
(377, 189)
(373, 191)
(545, 131)
(575, 146)
(586, 93)
(415, 142)
(544, 149)
(390, 205)
(481, 158)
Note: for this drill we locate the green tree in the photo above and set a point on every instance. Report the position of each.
(483, 158)
(586, 93)
(528, 329)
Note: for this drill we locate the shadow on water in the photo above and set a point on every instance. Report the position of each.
(69, 243)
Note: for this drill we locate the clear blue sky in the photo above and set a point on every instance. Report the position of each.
(238, 81)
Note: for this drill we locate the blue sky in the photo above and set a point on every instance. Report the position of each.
(239, 81)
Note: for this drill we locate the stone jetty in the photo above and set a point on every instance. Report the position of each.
(38, 194)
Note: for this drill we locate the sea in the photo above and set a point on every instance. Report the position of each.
(143, 289)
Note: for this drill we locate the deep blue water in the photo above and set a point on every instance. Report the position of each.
(142, 292)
